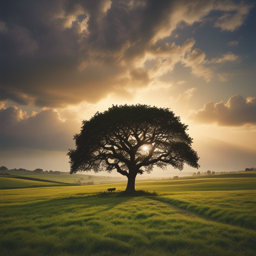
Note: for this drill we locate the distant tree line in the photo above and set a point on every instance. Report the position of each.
(82, 181)
(250, 169)
(208, 173)
(37, 170)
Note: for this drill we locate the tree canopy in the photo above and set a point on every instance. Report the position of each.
(132, 140)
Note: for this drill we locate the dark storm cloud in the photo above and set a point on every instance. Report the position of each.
(236, 112)
(14, 96)
(57, 52)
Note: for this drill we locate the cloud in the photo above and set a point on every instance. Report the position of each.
(186, 95)
(200, 65)
(2, 104)
(196, 60)
(234, 15)
(44, 130)
(232, 43)
(236, 112)
(15, 96)
(2, 26)
(223, 77)
(25, 44)
(167, 56)
(60, 53)
(228, 57)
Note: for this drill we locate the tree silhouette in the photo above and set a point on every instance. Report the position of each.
(131, 140)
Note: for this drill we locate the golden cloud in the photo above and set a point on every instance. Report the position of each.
(238, 111)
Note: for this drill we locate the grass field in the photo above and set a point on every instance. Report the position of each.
(6, 182)
(67, 178)
(199, 216)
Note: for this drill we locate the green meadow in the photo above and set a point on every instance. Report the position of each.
(187, 216)
(9, 183)
(64, 177)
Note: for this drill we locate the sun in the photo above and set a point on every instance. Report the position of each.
(145, 148)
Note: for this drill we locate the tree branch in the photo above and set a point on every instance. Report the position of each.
(136, 136)
(153, 161)
(125, 173)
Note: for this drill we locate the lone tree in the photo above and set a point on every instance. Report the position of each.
(131, 140)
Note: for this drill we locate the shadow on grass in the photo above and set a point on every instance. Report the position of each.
(97, 203)
(58, 206)
(136, 193)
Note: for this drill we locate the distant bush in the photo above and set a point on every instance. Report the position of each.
(3, 168)
(38, 170)
(250, 169)
(89, 183)
(53, 172)
(22, 170)
(80, 181)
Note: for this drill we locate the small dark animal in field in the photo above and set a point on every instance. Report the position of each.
(111, 189)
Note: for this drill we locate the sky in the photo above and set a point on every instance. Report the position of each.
(61, 61)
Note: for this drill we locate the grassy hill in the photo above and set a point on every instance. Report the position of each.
(184, 217)
(14, 182)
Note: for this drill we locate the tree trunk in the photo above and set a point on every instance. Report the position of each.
(131, 183)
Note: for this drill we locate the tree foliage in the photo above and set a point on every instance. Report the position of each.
(3, 168)
(39, 170)
(131, 140)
